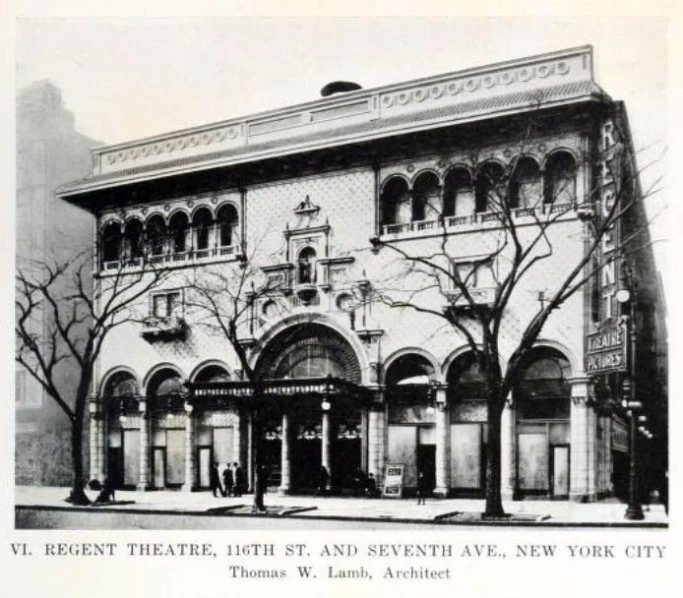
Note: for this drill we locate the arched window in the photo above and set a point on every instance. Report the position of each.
(156, 235)
(212, 373)
(201, 222)
(121, 385)
(489, 187)
(133, 234)
(560, 179)
(228, 221)
(458, 193)
(395, 202)
(426, 202)
(306, 266)
(165, 384)
(525, 186)
(111, 242)
(178, 227)
(543, 391)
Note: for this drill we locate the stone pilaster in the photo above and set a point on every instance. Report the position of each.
(382, 444)
(190, 455)
(443, 451)
(583, 432)
(250, 447)
(508, 437)
(285, 464)
(237, 440)
(325, 445)
(96, 441)
(145, 477)
(373, 443)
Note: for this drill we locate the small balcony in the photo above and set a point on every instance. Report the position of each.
(481, 297)
(168, 328)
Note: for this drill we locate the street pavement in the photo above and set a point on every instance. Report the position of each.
(608, 512)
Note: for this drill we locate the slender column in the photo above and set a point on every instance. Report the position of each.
(237, 440)
(190, 460)
(442, 444)
(582, 455)
(382, 444)
(96, 446)
(144, 478)
(285, 468)
(508, 437)
(325, 457)
(373, 443)
(250, 458)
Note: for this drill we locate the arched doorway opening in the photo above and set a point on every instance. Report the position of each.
(123, 434)
(164, 391)
(411, 417)
(542, 399)
(296, 360)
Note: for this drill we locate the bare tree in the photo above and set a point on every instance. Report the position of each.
(518, 236)
(61, 320)
(223, 299)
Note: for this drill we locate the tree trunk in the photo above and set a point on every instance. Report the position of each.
(77, 496)
(494, 501)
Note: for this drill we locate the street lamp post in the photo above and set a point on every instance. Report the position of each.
(634, 511)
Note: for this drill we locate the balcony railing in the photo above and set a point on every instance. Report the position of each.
(420, 226)
(483, 297)
(170, 258)
(163, 328)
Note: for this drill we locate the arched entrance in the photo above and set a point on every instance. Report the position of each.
(123, 435)
(542, 401)
(319, 430)
(411, 413)
(466, 397)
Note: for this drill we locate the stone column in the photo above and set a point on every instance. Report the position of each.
(190, 455)
(237, 440)
(325, 444)
(373, 443)
(95, 441)
(508, 444)
(582, 452)
(382, 443)
(284, 454)
(443, 462)
(144, 478)
(250, 458)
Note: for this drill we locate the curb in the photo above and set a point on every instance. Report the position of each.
(294, 514)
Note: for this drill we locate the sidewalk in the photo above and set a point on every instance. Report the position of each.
(607, 513)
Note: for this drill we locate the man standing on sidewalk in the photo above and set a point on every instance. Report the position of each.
(421, 487)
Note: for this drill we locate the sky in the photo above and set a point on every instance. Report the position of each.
(130, 78)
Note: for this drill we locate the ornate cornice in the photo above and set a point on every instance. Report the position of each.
(514, 86)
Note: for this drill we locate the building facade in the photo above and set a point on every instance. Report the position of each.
(348, 381)
(50, 152)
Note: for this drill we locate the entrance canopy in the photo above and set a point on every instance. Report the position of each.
(304, 392)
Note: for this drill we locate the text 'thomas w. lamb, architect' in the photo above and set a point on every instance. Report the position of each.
(345, 380)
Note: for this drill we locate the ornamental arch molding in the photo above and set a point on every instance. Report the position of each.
(113, 373)
(304, 328)
(208, 364)
(408, 351)
(159, 368)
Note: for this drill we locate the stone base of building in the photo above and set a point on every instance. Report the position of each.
(583, 497)
(440, 492)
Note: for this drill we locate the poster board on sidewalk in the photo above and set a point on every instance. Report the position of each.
(393, 480)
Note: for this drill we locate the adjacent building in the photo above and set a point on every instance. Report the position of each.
(50, 152)
(349, 382)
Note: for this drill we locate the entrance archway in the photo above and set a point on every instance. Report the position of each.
(307, 352)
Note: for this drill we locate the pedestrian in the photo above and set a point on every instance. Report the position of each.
(358, 482)
(371, 486)
(323, 476)
(421, 488)
(664, 489)
(228, 481)
(214, 481)
(107, 494)
(238, 474)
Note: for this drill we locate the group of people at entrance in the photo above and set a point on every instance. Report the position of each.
(230, 482)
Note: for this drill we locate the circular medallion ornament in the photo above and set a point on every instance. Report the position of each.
(193, 141)
(410, 168)
(507, 77)
(419, 95)
(544, 70)
(542, 147)
(507, 153)
(471, 84)
(144, 211)
(156, 148)
(562, 68)
(387, 101)
(436, 92)
(167, 207)
(454, 88)
(403, 98)
(190, 203)
(214, 200)
(526, 74)
(144, 151)
(489, 81)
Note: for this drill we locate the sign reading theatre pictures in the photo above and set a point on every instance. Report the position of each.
(606, 350)
(393, 481)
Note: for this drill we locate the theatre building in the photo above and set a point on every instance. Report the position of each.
(346, 381)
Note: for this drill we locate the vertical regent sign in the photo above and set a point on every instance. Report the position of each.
(610, 169)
